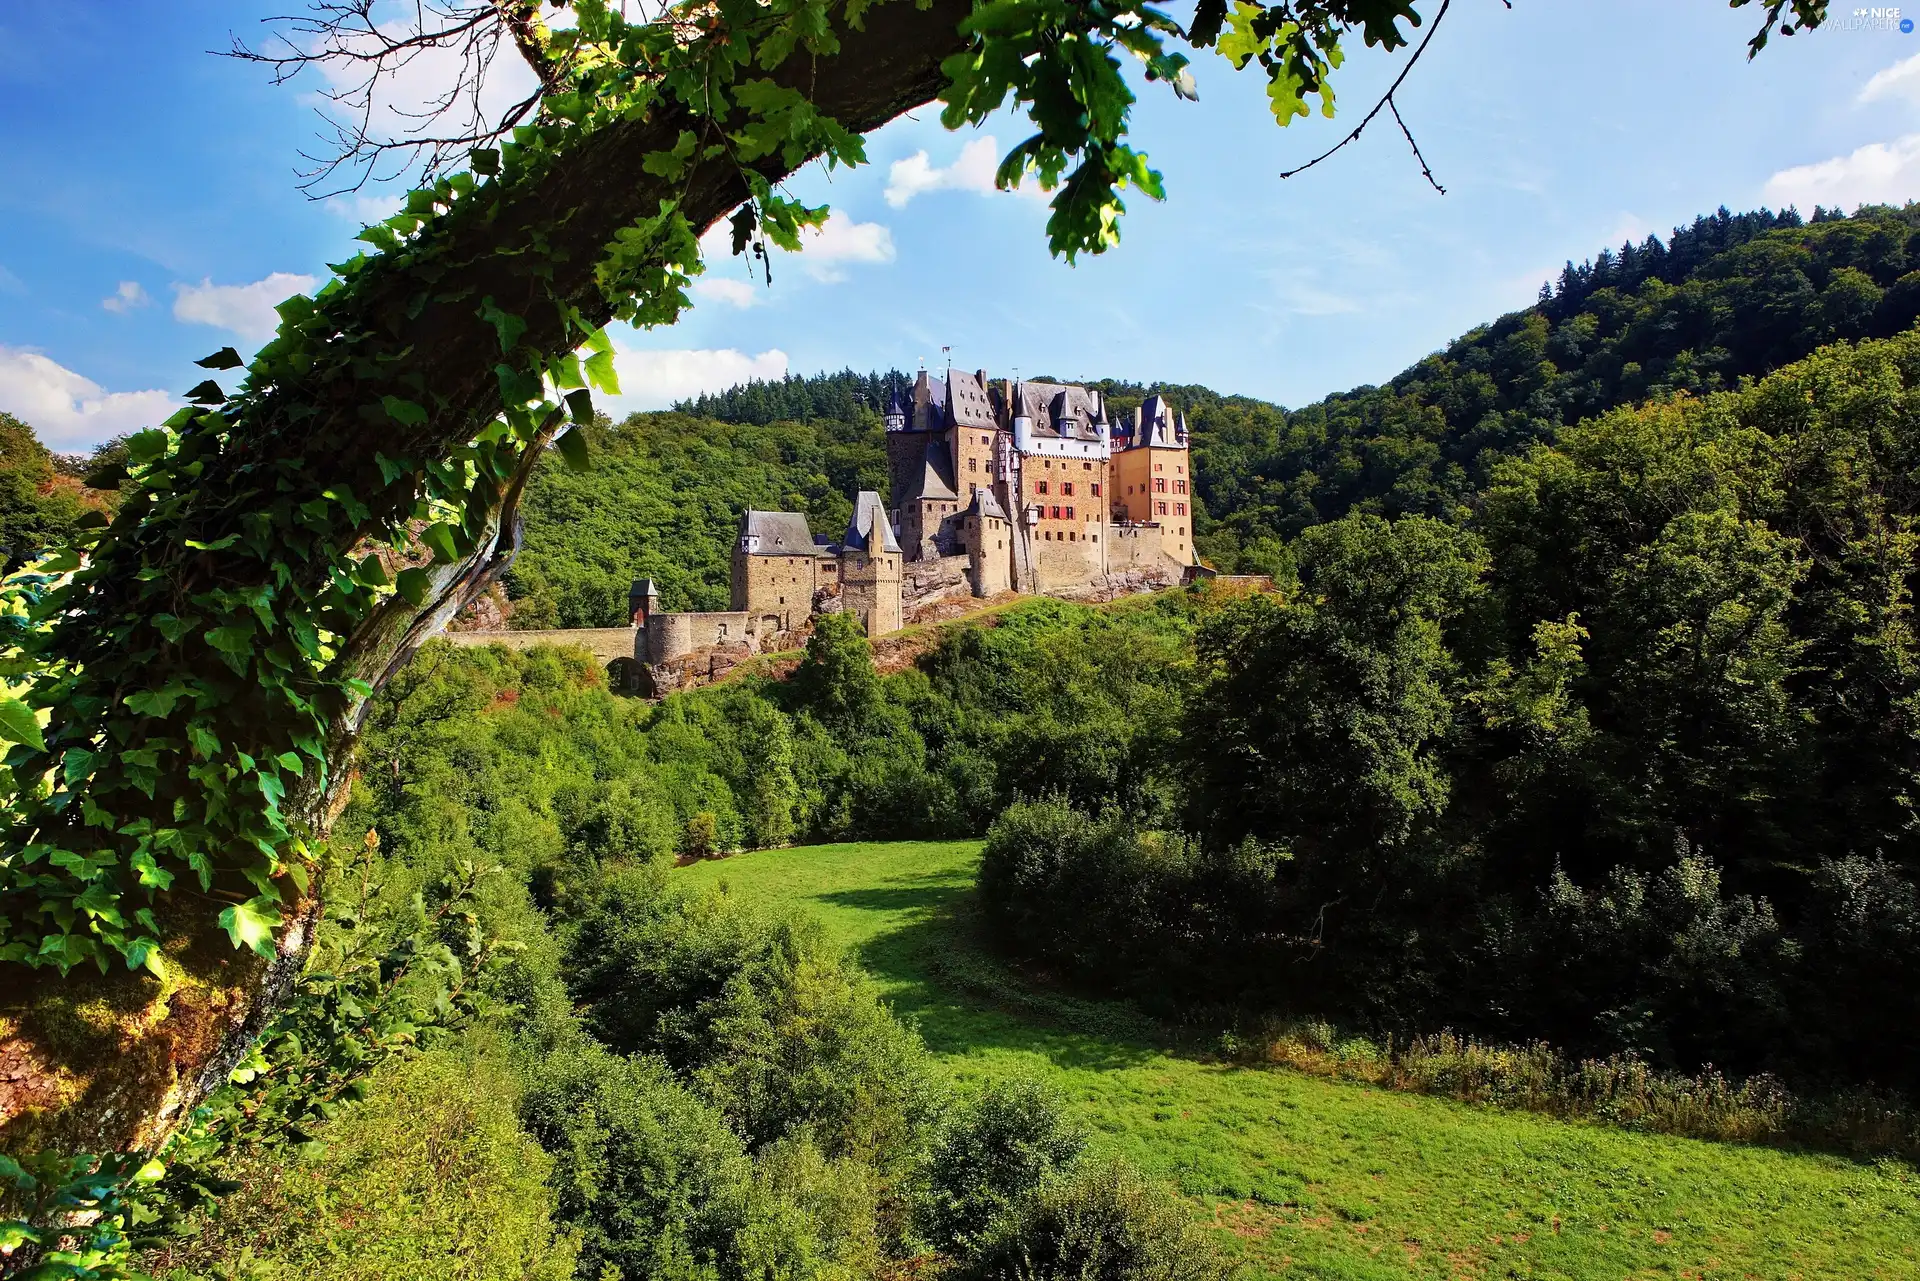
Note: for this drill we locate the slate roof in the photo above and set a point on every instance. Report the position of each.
(780, 534)
(869, 530)
(1059, 409)
(985, 504)
(1156, 424)
(969, 403)
(934, 477)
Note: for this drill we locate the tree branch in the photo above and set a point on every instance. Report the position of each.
(1386, 102)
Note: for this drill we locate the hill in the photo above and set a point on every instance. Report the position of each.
(1729, 297)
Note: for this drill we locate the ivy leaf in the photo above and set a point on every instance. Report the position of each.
(251, 924)
(414, 584)
(599, 371)
(573, 448)
(170, 627)
(506, 326)
(18, 724)
(485, 160)
(235, 638)
(440, 538)
(370, 572)
(404, 412)
(225, 358)
(207, 393)
(145, 446)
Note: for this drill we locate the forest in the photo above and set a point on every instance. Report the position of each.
(1730, 296)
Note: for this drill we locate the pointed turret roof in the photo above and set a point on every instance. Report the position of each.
(985, 504)
(869, 530)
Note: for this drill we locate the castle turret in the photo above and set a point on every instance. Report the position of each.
(895, 416)
(643, 601)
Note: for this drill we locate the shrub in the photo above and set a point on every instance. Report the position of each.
(429, 1176)
(1104, 1223)
(995, 1152)
(650, 1177)
(701, 838)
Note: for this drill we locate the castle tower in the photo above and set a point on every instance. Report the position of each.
(870, 567)
(643, 601)
(1152, 479)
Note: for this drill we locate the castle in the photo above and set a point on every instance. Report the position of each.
(1028, 487)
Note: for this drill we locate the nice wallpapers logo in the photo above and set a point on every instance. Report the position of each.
(1875, 18)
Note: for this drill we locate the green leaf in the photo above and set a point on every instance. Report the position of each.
(235, 638)
(145, 446)
(486, 161)
(414, 584)
(600, 374)
(18, 724)
(439, 537)
(580, 405)
(573, 448)
(219, 545)
(405, 412)
(506, 326)
(371, 572)
(251, 924)
(225, 358)
(207, 393)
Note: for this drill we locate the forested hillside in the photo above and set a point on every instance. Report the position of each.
(663, 500)
(1729, 297)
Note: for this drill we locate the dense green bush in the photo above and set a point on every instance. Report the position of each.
(1104, 1222)
(995, 1153)
(430, 1176)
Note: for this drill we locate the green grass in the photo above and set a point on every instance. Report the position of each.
(1310, 1178)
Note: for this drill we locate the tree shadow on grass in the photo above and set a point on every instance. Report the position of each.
(964, 999)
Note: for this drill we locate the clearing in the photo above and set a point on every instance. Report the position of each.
(1309, 1178)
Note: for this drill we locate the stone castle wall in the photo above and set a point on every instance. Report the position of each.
(605, 643)
(670, 636)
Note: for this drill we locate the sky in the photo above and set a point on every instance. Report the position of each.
(150, 213)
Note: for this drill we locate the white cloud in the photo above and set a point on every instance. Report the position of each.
(246, 310)
(651, 379)
(366, 208)
(1880, 172)
(824, 250)
(727, 290)
(70, 412)
(125, 298)
(1901, 80)
(842, 240)
(972, 171)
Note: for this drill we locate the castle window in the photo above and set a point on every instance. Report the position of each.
(1179, 509)
(1179, 486)
(1043, 487)
(1056, 512)
(1070, 537)
(1087, 466)
(973, 464)
(1067, 489)
(1095, 537)
(1049, 535)
(723, 626)
(1159, 485)
(1157, 467)
(1069, 513)
(1163, 508)
(1096, 489)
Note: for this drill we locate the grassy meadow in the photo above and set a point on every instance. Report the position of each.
(1310, 1178)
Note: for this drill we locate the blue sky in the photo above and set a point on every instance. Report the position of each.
(149, 214)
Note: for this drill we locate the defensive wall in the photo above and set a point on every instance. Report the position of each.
(605, 643)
